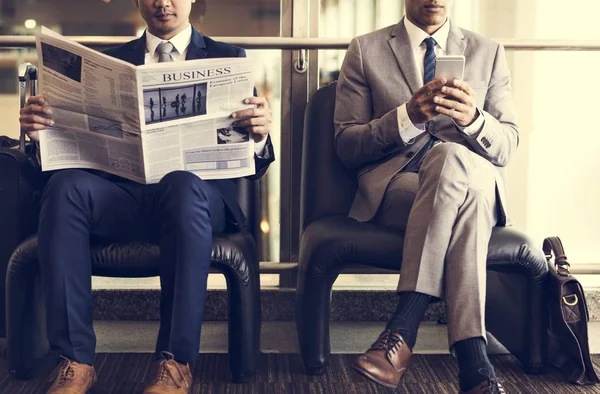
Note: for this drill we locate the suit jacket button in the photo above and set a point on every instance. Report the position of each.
(410, 154)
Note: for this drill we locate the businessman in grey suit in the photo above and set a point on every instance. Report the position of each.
(429, 155)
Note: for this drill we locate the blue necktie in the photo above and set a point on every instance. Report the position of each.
(429, 63)
(429, 73)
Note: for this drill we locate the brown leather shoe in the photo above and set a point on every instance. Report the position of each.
(169, 377)
(386, 361)
(72, 377)
(487, 387)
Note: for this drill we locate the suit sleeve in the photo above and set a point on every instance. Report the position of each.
(499, 137)
(261, 162)
(34, 155)
(360, 139)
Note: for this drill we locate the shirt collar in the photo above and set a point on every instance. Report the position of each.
(416, 35)
(181, 41)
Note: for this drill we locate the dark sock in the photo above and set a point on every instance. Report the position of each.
(409, 313)
(473, 363)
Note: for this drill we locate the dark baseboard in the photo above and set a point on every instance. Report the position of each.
(277, 305)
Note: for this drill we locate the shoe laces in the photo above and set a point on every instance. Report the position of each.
(165, 373)
(494, 385)
(389, 341)
(64, 372)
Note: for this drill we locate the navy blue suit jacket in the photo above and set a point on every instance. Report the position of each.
(202, 47)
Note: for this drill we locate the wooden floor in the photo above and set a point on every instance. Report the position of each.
(124, 373)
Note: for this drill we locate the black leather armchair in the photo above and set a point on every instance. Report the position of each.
(331, 242)
(233, 254)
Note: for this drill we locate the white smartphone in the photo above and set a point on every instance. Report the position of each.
(450, 67)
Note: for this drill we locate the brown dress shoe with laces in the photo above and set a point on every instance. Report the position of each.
(487, 387)
(386, 361)
(169, 377)
(72, 377)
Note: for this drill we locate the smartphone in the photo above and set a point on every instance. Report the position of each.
(450, 67)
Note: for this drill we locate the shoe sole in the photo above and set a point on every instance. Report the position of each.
(373, 378)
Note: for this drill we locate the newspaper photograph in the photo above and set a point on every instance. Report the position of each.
(142, 122)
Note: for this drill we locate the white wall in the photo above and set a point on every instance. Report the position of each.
(9, 113)
(563, 194)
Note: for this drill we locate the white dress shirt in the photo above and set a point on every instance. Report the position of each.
(408, 130)
(181, 42)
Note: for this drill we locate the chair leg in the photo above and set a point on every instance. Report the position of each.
(26, 323)
(244, 323)
(313, 302)
(516, 317)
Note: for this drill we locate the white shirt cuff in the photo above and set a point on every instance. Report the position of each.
(408, 131)
(259, 147)
(475, 127)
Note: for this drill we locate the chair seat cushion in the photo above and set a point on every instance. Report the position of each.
(335, 241)
(141, 259)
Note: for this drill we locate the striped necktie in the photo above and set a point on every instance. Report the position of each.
(429, 63)
(164, 50)
(429, 73)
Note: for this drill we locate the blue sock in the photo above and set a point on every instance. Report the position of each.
(408, 315)
(473, 362)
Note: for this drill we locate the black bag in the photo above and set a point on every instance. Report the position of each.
(568, 345)
(7, 142)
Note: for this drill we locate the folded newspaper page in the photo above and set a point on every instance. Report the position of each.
(142, 122)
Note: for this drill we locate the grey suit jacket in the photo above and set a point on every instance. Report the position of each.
(379, 75)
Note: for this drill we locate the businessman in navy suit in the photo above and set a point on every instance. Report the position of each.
(180, 213)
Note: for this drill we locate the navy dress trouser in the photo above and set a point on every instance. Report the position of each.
(79, 208)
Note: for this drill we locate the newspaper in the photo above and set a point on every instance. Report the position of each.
(142, 122)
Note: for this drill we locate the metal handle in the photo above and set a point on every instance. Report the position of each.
(301, 64)
(27, 87)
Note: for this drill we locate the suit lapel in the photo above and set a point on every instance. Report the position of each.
(400, 45)
(137, 52)
(456, 41)
(197, 47)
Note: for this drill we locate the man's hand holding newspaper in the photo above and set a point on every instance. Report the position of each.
(255, 120)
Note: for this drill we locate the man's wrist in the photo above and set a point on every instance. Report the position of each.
(258, 138)
(475, 116)
(474, 127)
(259, 147)
(407, 129)
(411, 113)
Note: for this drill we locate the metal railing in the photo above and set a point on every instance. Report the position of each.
(308, 43)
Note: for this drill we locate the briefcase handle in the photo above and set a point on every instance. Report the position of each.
(27, 87)
(554, 246)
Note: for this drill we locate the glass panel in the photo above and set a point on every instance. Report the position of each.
(549, 190)
(268, 84)
(120, 18)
